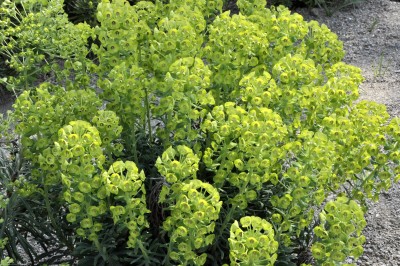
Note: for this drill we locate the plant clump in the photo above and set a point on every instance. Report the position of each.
(192, 136)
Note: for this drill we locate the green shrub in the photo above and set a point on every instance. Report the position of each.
(339, 232)
(209, 138)
(36, 38)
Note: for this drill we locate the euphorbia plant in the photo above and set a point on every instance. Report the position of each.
(258, 120)
(34, 44)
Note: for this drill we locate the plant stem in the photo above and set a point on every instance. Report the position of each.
(100, 249)
(168, 132)
(168, 252)
(148, 115)
(53, 221)
(144, 252)
(25, 74)
(4, 224)
(228, 218)
(134, 145)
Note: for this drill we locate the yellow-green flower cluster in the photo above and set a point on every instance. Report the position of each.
(41, 113)
(206, 7)
(79, 152)
(119, 34)
(252, 242)
(305, 182)
(107, 123)
(147, 12)
(184, 99)
(250, 7)
(339, 232)
(124, 90)
(317, 152)
(6, 261)
(153, 69)
(124, 183)
(321, 45)
(343, 82)
(178, 165)
(286, 33)
(232, 48)
(192, 221)
(90, 194)
(393, 129)
(44, 110)
(176, 37)
(240, 43)
(294, 71)
(194, 205)
(257, 89)
(35, 42)
(78, 149)
(362, 144)
(244, 147)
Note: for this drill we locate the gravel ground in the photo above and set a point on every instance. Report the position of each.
(371, 36)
